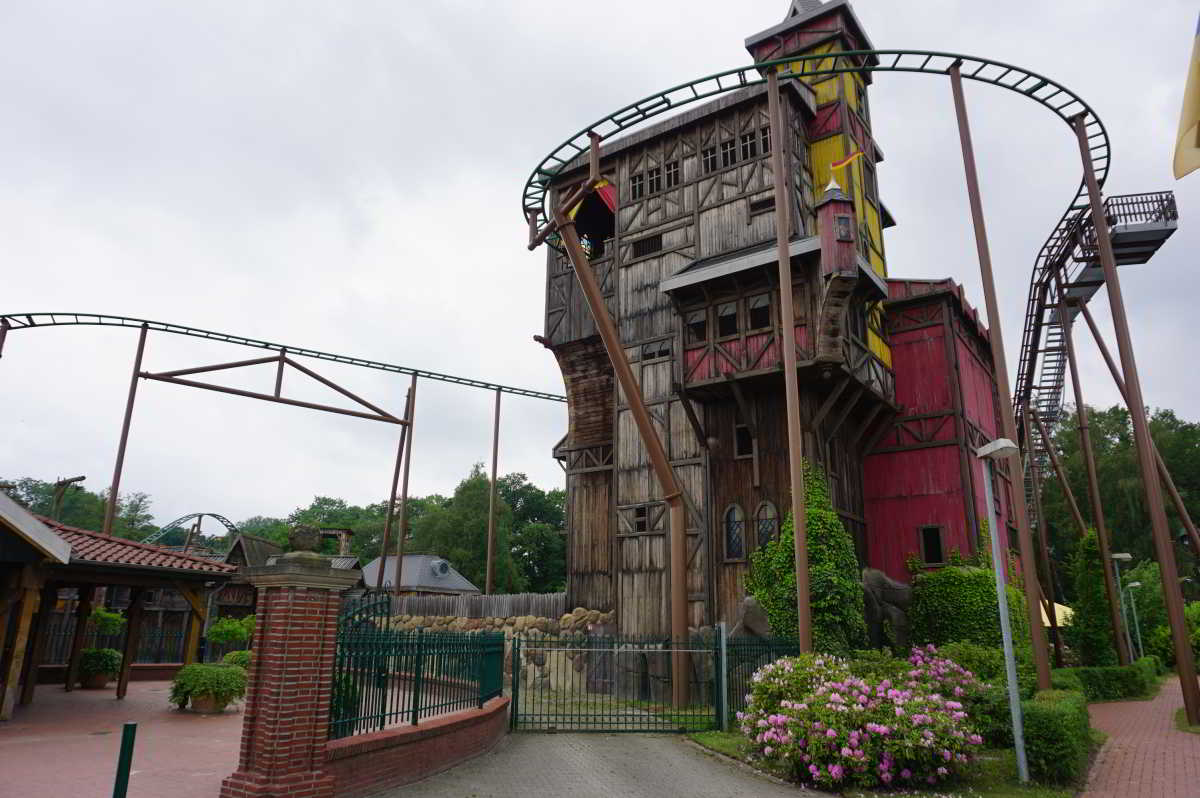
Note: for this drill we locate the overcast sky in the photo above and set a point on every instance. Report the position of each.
(346, 177)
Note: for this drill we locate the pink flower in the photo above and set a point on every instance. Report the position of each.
(836, 772)
(830, 733)
(886, 778)
(943, 772)
(906, 774)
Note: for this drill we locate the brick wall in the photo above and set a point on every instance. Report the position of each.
(370, 763)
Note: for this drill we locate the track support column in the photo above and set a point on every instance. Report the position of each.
(402, 520)
(491, 532)
(110, 509)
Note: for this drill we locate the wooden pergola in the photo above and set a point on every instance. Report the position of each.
(39, 557)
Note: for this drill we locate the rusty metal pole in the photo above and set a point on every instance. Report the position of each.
(110, 509)
(1004, 394)
(1089, 461)
(1176, 499)
(654, 448)
(390, 505)
(491, 533)
(1184, 660)
(1059, 471)
(791, 387)
(1043, 541)
(3, 334)
(402, 521)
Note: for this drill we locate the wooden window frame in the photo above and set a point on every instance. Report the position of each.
(725, 532)
(641, 518)
(689, 340)
(924, 549)
(739, 426)
(646, 246)
(749, 145)
(750, 328)
(708, 160)
(764, 140)
(758, 521)
(736, 319)
(637, 186)
(729, 153)
(653, 180)
(671, 173)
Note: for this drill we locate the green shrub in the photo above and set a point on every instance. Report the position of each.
(1110, 682)
(835, 589)
(228, 630)
(789, 677)
(876, 666)
(1090, 633)
(1157, 639)
(988, 664)
(958, 604)
(95, 661)
(107, 622)
(1057, 736)
(223, 682)
(239, 658)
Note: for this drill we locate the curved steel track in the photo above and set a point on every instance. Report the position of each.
(179, 522)
(25, 321)
(1060, 100)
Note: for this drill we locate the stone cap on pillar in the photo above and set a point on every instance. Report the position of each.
(303, 567)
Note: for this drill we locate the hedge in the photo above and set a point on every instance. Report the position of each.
(958, 604)
(1057, 736)
(1089, 634)
(1110, 682)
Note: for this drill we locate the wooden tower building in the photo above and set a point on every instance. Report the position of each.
(683, 245)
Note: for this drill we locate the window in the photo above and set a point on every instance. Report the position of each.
(762, 205)
(637, 186)
(764, 136)
(749, 146)
(654, 180)
(727, 320)
(728, 153)
(931, 545)
(648, 245)
(641, 519)
(844, 229)
(709, 156)
(869, 183)
(758, 311)
(697, 326)
(656, 349)
(766, 519)
(860, 94)
(743, 441)
(672, 170)
(735, 544)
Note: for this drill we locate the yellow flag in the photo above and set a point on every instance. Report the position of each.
(1187, 142)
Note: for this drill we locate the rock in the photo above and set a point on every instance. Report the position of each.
(752, 620)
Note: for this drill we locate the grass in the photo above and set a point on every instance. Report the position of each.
(1181, 722)
(996, 776)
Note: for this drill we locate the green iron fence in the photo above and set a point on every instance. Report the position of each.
(385, 676)
(623, 684)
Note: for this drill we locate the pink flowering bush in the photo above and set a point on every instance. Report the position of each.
(838, 730)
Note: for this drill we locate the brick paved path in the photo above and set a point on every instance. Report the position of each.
(1145, 756)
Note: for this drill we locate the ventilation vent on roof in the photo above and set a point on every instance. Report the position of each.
(440, 568)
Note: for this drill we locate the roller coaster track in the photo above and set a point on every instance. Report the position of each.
(179, 522)
(27, 321)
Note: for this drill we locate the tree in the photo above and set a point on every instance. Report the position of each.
(457, 531)
(1090, 632)
(540, 552)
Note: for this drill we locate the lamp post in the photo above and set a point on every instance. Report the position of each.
(1118, 558)
(1137, 629)
(998, 449)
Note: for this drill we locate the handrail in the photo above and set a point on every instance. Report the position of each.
(24, 321)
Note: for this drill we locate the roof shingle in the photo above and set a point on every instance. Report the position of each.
(95, 547)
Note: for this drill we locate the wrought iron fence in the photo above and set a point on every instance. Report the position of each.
(385, 676)
(745, 655)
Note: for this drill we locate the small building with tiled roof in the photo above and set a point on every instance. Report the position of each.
(39, 557)
(422, 574)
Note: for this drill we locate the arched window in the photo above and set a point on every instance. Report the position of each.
(735, 538)
(766, 521)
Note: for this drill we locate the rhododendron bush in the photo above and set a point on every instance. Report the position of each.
(832, 728)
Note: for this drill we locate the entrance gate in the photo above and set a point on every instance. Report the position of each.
(583, 683)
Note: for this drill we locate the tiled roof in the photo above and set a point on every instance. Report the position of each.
(255, 550)
(96, 547)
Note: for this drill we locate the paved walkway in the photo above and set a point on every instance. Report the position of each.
(529, 765)
(1145, 756)
(67, 744)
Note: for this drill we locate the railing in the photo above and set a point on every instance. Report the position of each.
(745, 655)
(1141, 208)
(155, 646)
(385, 677)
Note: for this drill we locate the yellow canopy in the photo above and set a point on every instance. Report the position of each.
(1062, 614)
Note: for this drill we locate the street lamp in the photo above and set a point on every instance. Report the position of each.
(996, 450)
(1117, 559)
(1133, 608)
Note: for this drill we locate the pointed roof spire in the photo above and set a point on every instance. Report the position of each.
(800, 8)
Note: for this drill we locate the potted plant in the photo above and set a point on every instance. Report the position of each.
(97, 667)
(240, 658)
(209, 688)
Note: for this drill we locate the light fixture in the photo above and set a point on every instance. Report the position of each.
(1001, 447)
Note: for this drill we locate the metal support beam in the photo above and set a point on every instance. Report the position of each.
(3, 334)
(1168, 481)
(1004, 394)
(1089, 462)
(390, 506)
(491, 531)
(402, 521)
(1184, 660)
(787, 343)
(1043, 541)
(677, 538)
(114, 489)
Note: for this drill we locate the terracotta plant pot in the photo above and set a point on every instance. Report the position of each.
(97, 681)
(207, 705)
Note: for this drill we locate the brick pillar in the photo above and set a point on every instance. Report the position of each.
(286, 717)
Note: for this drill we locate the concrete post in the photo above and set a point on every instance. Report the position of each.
(286, 719)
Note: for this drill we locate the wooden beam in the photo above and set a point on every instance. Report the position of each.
(866, 424)
(133, 635)
(845, 413)
(743, 405)
(827, 405)
(87, 595)
(10, 685)
(37, 641)
(690, 412)
(195, 625)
